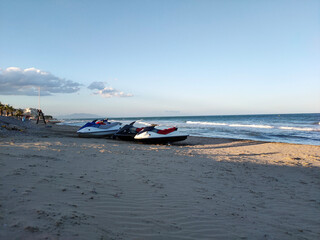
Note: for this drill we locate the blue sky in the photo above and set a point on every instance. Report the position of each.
(159, 58)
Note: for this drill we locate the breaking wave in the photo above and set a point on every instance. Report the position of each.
(144, 123)
(253, 126)
(299, 129)
(230, 125)
(207, 123)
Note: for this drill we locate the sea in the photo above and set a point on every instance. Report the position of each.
(286, 128)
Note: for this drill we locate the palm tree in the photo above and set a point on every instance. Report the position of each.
(19, 113)
(12, 110)
(9, 109)
(6, 108)
(1, 108)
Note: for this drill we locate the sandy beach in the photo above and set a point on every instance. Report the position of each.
(54, 185)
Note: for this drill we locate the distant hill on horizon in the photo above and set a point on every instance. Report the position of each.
(79, 115)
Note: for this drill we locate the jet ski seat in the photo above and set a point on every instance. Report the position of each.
(168, 130)
(108, 125)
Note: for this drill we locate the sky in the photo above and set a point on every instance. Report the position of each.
(129, 58)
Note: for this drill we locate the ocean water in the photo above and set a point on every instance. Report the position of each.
(288, 128)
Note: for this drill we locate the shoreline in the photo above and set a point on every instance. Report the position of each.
(55, 185)
(293, 137)
(295, 128)
(190, 140)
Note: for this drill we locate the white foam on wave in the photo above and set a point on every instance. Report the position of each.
(144, 123)
(230, 125)
(250, 126)
(207, 123)
(73, 122)
(299, 129)
(253, 126)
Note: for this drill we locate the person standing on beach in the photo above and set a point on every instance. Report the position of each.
(40, 113)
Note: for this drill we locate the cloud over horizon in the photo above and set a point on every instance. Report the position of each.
(107, 92)
(17, 81)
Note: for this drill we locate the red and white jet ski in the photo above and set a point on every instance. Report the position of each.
(153, 135)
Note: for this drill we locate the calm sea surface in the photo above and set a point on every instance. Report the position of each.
(289, 128)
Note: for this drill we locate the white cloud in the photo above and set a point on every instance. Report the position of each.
(107, 92)
(17, 81)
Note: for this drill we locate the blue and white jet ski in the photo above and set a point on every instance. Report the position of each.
(99, 128)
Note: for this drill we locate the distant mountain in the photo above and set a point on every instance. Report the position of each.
(79, 115)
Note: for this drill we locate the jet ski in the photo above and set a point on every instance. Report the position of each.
(99, 128)
(153, 135)
(127, 132)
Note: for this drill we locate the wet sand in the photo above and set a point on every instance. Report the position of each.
(54, 185)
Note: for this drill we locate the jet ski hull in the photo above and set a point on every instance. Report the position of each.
(162, 139)
(96, 134)
(95, 130)
(125, 137)
(154, 137)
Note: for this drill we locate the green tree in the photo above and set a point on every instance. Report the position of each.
(6, 108)
(9, 110)
(12, 110)
(19, 113)
(1, 108)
